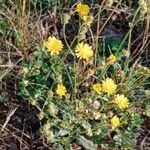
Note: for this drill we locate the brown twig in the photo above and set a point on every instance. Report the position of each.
(8, 118)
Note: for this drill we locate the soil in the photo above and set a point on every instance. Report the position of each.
(20, 122)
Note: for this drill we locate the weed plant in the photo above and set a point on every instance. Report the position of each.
(86, 89)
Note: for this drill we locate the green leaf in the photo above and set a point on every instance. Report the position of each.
(89, 145)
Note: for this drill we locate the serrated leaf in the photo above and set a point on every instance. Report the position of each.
(89, 145)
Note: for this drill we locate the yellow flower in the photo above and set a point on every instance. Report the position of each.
(112, 58)
(115, 121)
(82, 9)
(88, 20)
(84, 51)
(54, 45)
(121, 101)
(61, 90)
(109, 86)
(97, 87)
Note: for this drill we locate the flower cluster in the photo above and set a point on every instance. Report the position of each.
(81, 94)
(110, 87)
(83, 50)
(107, 86)
(83, 11)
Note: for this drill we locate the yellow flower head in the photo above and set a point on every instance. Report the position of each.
(61, 90)
(115, 121)
(109, 86)
(97, 87)
(82, 9)
(84, 51)
(121, 101)
(54, 45)
(112, 58)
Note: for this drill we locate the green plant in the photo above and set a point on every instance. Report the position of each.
(100, 101)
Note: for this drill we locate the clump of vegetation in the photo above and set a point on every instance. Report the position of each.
(83, 93)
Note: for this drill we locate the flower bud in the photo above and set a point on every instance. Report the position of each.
(25, 82)
(41, 115)
(33, 102)
(52, 109)
(25, 70)
(89, 132)
(66, 18)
